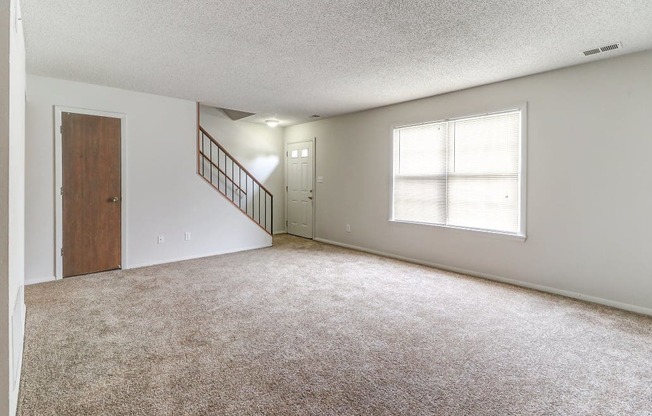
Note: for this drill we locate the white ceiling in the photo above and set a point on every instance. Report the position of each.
(293, 58)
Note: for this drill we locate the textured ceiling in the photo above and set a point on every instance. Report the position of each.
(294, 58)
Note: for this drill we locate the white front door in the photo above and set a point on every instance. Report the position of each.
(300, 166)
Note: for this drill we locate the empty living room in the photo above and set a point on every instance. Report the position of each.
(326, 208)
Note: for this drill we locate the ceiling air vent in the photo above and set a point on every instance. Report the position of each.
(610, 47)
(601, 49)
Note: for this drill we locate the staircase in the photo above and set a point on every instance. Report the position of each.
(232, 180)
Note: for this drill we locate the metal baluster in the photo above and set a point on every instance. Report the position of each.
(204, 148)
(211, 166)
(226, 176)
(250, 199)
(259, 204)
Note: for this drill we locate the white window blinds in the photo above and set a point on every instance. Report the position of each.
(462, 173)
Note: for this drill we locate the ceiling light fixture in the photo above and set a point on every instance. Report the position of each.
(272, 123)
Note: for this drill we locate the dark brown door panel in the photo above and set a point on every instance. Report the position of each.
(91, 193)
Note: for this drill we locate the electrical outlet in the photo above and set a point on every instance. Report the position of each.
(187, 236)
(161, 239)
(347, 228)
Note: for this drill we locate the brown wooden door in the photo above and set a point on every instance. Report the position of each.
(91, 193)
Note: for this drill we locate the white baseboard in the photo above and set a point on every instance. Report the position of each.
(280, 232)
(528, 285)
(193, 257)
(39, 280)
(15, 388)
(146, 264)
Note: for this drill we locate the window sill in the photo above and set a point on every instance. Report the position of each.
(488, 233)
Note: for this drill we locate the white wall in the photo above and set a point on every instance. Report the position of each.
(163, 195)
(5, 360)
(12, 195)
(588, 185)
(259, 148)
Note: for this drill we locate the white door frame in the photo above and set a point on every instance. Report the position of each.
(314, 181)
(58, 181)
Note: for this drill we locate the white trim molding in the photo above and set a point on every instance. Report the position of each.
(38, 280)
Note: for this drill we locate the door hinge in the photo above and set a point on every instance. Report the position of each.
(62, 251)
(61, 129)
(61, 190)
(286, 223)
(286, 188)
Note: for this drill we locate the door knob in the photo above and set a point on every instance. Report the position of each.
(115, 199)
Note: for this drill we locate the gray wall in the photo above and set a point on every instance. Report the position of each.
(589, 183)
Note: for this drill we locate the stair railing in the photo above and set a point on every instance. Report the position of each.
(234, 181)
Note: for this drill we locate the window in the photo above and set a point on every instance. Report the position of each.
(464, 173)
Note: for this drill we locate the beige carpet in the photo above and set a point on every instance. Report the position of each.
(309, 329)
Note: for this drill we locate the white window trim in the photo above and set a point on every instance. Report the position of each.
(521, 235)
